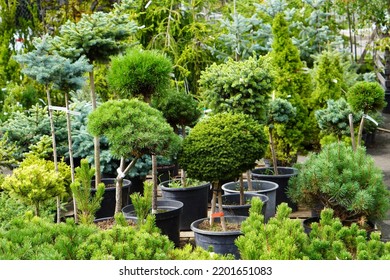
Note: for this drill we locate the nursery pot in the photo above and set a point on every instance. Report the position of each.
(107, 208)
(284, 175)
(167, 218)
(222, 242)
(194, 199)
(267, 188)
(231, 203)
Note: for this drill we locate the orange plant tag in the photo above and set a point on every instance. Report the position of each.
(217, 214)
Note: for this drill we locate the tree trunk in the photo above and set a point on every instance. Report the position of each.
(54, 144)
(360, 131)
(273, 152)
(154, 178)
(241, 190)
(68, 126)
(96, 140)
(118, 186)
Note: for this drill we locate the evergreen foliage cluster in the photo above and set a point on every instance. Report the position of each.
(26, 128)
(283, 238)
(133, 128)
(35, 182)
(87, 205)
(333, 121)
(239, 86)
(344, 180)
(222, 146)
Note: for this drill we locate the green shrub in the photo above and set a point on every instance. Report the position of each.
(35, 182)
(346, 181)
(238, 86)
(87, 205)
(281, 238)
(367, 97)
(139, 73)
(222, 146)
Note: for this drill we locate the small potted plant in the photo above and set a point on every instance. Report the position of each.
(221, 147)
(344, 180)
(368, 97)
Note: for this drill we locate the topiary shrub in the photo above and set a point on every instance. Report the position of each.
(220, 148)
(140, 73)
(346, 181)
(179, 108)
(367, 97)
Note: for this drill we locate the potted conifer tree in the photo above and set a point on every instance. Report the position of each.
(182, 111)
(221, 147)
(344, 180)
(133, 129)
(279, 112)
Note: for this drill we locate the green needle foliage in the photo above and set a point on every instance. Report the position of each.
(132, 127)
(346, 181)
(140, 73)
(34, 183)
(238, 86)
(293, 84)
(179, 108)
(281, 238)
(368, 97)
(81, 188)
(333, 121)
(142, 203)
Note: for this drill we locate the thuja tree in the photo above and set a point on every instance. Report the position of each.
(133, 129)
(328, 79)
(96, 36)
(293, 84)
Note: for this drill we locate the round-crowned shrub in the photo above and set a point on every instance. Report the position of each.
(222, 147)
(367, 97)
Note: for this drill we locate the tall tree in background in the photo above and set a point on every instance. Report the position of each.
(293, 84)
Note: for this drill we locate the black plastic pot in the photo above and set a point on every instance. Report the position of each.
(107, 208)
(194, 199)
(231, 203)
(284, 175)
(222, 242)
(267, 188)
(168, 220)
